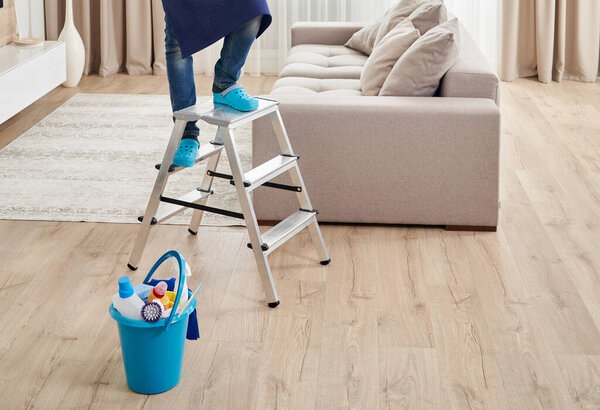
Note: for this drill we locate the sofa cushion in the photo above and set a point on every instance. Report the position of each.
(296, 90)
(396, 15)
(364, 39)
(305, 86)
(325, 50)
(321, 61)
(384, 56)
(369, 36)
(429, 15)
(317, 71)
(328, 61)
(419, 71)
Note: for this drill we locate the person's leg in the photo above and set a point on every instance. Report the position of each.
(182, 88)
(233, 55)
(228, 69)
(180, 72)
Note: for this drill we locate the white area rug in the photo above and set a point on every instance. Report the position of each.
(93, 160)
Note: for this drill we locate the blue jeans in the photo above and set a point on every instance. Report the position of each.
(180, 71)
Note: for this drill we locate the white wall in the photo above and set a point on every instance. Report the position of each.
(30, 15)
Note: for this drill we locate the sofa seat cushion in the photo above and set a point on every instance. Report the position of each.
(323, 61)
(314, 86)
(325, 50)
(316, 71)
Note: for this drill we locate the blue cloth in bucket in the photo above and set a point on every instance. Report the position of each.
(200, 23)
(193, 331)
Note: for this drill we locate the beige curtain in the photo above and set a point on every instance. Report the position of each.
(119, 35)
(553, 39)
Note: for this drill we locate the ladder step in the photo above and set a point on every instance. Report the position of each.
(205, 151)
(267, 171)
(225, 116)
(166, 210)
(286, 229)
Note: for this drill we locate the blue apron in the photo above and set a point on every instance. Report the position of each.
(199, 23)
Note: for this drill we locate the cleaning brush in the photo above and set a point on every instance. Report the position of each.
(152, 311)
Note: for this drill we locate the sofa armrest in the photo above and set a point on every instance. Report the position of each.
(329, 33)
(472, 76)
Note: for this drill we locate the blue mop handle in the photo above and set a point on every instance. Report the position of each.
(189, 302)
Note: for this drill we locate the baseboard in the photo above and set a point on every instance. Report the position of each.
(471, 228)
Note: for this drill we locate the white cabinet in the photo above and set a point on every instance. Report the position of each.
(28, 73)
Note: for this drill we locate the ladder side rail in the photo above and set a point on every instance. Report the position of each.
(250, 218)
(206, 185)
(286, 148)
(296, 177)
(157, 191)
(282, 137)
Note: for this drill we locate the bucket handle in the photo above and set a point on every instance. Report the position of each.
(181, 263)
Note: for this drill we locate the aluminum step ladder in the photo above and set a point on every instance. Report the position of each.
(161, 208)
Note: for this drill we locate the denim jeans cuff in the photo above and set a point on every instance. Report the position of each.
(220, 87)
(191, 134)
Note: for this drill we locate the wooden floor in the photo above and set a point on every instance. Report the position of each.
(402, 318)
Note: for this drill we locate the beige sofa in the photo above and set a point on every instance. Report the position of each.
(390, 160)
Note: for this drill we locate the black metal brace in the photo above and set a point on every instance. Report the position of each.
(172, 167)
(316, 211)
(202, 207)
(292, 188)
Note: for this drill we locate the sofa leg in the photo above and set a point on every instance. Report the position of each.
(471, 228)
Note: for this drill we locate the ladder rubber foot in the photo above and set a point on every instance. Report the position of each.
(326, 262)
(131, 267)
(274, 304)
(192, 232)
(153, 221)
(264, 246)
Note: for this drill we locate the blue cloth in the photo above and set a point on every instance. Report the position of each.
(193, 332)
(200, 23)
(142, 290)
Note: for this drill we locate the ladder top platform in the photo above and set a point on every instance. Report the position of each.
(223, 115)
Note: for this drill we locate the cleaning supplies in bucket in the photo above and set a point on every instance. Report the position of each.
(141, 339)
(160, 293)
(152, 311)
(127, 303)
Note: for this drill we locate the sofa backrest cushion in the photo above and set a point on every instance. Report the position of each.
(419, 71)
(367, 38)
(384, 56)
(428, 16)
(396, 15)
(364, 39)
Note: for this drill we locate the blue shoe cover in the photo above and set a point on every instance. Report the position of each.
(186, 153)
(236, 97)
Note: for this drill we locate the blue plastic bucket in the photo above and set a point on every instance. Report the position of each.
(153, 352)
